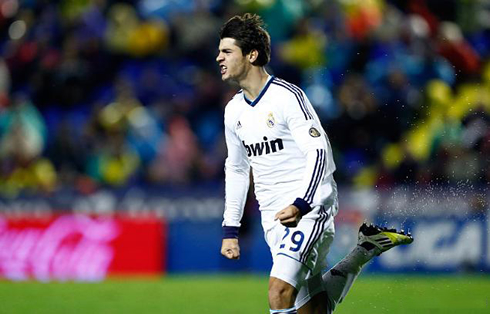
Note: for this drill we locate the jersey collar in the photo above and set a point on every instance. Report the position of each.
(262, 92)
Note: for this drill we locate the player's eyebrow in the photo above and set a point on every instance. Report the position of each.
(225, 50)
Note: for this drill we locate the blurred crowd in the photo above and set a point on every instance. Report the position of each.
(114, 93)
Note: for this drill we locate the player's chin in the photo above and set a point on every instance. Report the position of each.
(229, 77)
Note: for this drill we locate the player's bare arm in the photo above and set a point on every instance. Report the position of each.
(230, 248)
(289, 216)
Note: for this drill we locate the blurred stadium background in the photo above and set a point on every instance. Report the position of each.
(112, 151)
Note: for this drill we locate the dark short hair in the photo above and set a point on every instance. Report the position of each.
(249, 33)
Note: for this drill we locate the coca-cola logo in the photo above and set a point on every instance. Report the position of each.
(70, 247)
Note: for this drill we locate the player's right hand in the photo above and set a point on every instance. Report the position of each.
(289, 216)
(230, 248)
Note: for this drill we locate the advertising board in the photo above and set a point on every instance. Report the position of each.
(80, 247)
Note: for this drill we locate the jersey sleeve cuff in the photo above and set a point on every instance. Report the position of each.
(230, 232)
(303, 206)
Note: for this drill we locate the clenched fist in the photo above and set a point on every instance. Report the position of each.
(230, 248)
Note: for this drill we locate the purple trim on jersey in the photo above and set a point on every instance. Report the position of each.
(248, 101)
(230, 232)
(303, 206)
(317, 175)
(278, 83)
(262, 92)
(297, 93)
(315, 235)
(300, 93)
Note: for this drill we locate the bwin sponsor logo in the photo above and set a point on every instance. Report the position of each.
(266, 147)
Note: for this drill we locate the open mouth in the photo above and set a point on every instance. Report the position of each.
(223, 69)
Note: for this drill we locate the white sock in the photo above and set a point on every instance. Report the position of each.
(338, 280)
(285, 311)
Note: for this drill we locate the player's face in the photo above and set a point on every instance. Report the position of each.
(232, 63)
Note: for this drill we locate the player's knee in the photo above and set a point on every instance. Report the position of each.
(281, 294)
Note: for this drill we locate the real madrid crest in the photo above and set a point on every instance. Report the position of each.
(314, 132)
(270, 120)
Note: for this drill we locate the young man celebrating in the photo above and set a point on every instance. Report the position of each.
(271, 127)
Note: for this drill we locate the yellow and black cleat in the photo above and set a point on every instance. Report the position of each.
(382, 238)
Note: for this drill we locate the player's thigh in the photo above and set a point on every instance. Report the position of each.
(309, 242)
(281, 293)
(316, 260)
(300, 252)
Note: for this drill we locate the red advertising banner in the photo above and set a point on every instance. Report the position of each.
(80, 247)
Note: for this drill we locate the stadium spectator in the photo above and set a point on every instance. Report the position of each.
(369, 67)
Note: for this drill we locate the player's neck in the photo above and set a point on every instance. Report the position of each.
(254, 82)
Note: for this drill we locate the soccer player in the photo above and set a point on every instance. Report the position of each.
(271, 127)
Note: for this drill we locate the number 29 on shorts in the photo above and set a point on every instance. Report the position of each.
(294, 242)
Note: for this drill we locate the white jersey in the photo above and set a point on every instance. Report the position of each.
(280, 137)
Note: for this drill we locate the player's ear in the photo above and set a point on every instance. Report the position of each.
(253, 55)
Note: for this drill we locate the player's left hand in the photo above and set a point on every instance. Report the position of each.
(289, 216)
(230, 248)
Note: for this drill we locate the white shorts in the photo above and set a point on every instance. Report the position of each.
(300, 254)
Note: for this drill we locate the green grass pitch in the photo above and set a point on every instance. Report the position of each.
(236, 294)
